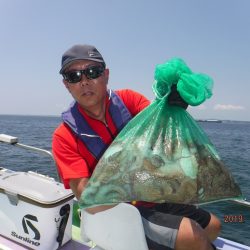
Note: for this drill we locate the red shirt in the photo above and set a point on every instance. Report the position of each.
(71, 155)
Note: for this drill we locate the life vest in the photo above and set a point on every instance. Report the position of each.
(78, 124)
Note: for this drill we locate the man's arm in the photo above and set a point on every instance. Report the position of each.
(77, 186)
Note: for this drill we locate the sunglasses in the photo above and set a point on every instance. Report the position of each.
(92, 72)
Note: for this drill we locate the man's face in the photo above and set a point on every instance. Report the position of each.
(89, 93)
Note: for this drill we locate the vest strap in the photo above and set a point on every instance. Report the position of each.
(78, 124)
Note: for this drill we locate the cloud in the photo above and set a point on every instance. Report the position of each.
(202, 107)
(228, 107)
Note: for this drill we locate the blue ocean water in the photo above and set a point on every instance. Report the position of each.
(231, 139)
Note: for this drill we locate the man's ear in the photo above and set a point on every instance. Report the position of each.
(66, 84)
(106, 75)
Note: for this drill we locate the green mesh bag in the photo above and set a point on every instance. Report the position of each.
(193, 88)
(162, 154)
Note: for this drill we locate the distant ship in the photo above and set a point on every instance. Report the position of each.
(209, 120)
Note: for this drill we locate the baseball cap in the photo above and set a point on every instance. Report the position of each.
(80, 52)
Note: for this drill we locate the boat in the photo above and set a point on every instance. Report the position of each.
(40, 218)
(210, 120)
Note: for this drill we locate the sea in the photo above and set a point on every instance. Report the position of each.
(230, 138)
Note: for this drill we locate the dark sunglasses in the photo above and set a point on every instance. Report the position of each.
(92, 72)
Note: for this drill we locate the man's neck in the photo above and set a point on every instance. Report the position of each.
(97, 113)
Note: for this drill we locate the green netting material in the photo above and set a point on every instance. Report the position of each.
(163, 155)
(193, 88)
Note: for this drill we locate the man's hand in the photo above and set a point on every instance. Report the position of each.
(175, 99)
(77, 186)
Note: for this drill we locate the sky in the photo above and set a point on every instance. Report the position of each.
(212, 37)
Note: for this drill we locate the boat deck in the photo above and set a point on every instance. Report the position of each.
(221, 244)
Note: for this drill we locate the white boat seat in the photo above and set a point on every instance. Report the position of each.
(118, 228)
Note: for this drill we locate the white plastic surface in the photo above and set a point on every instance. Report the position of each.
(118, 228)
(8, 138)
(35, 187)
(225, 244)
(29, 223)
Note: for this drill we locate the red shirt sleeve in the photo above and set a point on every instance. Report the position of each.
(70, 163)
(134, 101)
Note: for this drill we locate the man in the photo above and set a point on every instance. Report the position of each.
(91, 124)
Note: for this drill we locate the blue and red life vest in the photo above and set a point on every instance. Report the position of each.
(75, 120)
